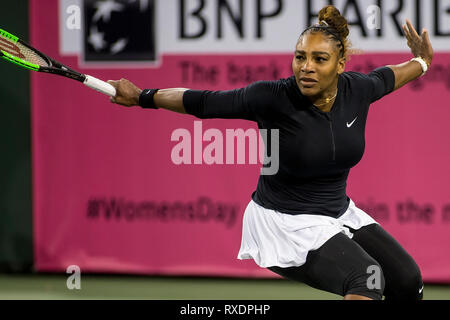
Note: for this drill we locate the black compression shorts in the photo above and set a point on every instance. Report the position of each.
(345, 266)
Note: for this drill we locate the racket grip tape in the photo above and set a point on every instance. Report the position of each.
(100, 86)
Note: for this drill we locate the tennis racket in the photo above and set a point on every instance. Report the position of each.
(17, 51)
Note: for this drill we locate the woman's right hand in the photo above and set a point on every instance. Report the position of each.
(127, 93)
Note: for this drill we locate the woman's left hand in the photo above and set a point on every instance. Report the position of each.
(420, 45)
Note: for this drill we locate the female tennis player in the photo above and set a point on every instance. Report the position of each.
(300, 223)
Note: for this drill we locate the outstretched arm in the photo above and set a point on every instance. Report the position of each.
(128, 95)
(248, 103)
(420, 47)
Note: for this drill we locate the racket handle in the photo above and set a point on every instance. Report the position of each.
(100, 86)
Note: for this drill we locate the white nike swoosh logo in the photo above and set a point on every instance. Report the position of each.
(421, 289)
(349, 125)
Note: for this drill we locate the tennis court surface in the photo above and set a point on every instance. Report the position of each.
(54, 286)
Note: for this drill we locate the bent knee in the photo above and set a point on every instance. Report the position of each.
(408, 286)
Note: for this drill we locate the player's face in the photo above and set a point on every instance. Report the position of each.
(316, 65)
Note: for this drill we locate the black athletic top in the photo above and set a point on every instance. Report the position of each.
(316, 148)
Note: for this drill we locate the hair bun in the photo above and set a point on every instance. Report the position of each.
(333, 18)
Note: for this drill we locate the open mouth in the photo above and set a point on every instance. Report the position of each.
(307, 82)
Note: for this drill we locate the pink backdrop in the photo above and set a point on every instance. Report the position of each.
(108, 198)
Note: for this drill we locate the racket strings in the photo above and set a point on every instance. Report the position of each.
(22, 52)
(31, 56)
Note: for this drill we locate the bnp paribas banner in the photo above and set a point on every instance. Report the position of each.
(128, 190)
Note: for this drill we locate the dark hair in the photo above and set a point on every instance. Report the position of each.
(333, 24)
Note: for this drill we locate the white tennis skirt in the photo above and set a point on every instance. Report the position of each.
(272, 238)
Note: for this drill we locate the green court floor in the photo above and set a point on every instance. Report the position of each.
(48, 287)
